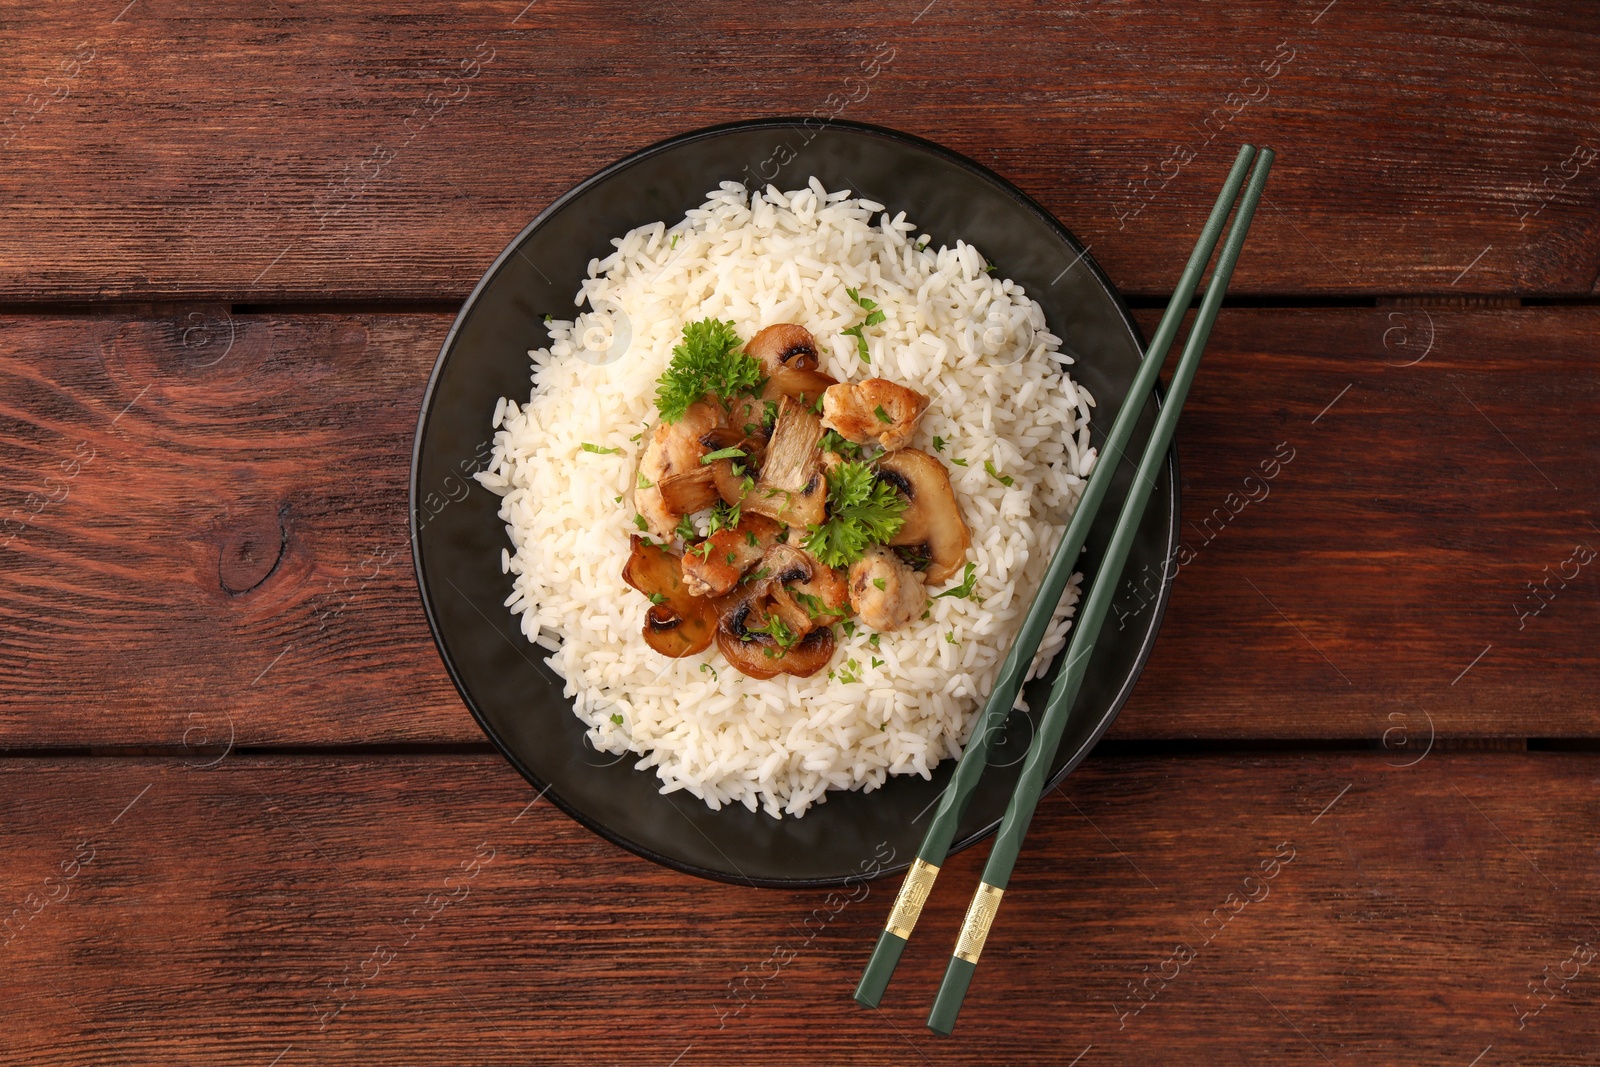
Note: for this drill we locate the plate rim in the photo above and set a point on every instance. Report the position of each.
(547, 789)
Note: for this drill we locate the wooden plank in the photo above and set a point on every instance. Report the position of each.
(313, 151)
(207, 542)
(206, 532)
(1388, 530)
(315, 910)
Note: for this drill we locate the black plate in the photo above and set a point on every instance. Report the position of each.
(457, 537)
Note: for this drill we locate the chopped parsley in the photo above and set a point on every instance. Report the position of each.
(705, 363)
(938, 443)
(873, 641)
(722, 453)
(657, 598)
(883, 416)
(813, 604)
(644, 483)
(958, 462)
(637, 436)
(779, 631)
(751, 539)
(587, 447)
(1004, 479)
(964, 590)
(723, 517)
(849, 627)
(876, 662)
(923, 243)
(862, 511)
(989, 269)
(950, 636)
(638, 520)
(617, 499)
(686, 529)
(616, 718)
(674, 241)
(847, 674)
(874, 316)
(879, 583)
(832, 442)
(704, 667)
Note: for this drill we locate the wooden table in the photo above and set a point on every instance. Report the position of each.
(246, 820)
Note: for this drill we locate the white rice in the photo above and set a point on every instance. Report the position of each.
(975, 343)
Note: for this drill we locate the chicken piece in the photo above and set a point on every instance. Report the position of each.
(715, 570)
(674, 448)
(885, 592)
(873, 409)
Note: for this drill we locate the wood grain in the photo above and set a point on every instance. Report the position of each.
(1338, 909)
(1438, 508)
(231, 561)
(308, 151)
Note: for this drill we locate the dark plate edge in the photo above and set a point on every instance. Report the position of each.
(1147, 643)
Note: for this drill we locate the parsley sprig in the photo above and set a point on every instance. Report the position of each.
(705, 364)
(862, 511)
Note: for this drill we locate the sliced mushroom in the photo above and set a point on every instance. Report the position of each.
(806, 386)
(932, 519)
(755, 615)
(676, 624)
(715, 566)
(760, 656)
(803, 592)
(874, 409)
(674, 449)
(689, 492)
(791, 488)
(784, 346)
(885, 592)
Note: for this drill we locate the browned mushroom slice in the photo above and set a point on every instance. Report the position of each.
(885, 592)
(760, 656)
(732, 479)
(874, 409)
(802, 591)
(714, 566)
(783, 346)
(747, 418)
(676, 624)
(932, 519)
(806, 386)
(763, 631)
(689, 492)
(791, 488)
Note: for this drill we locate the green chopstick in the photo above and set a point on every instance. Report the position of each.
(1014, 826)
(953, 802)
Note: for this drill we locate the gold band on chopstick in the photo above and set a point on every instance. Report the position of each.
(975, 927)
(913, 893)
